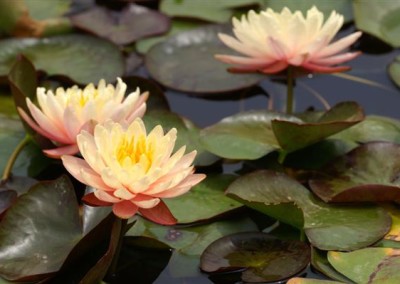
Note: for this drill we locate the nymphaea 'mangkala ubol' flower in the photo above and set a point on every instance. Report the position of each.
(132, 170)
(61, 116)
(272, 41)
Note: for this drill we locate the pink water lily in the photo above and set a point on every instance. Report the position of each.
(271, 41)
(62, 115)
(131, 170)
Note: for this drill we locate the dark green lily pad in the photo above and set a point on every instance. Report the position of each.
(296, 135)
(368, 173)
(247, 135)
(130, 24)
(206, 200)
(188, 134)
(7, 198)
(394, 233)
(264, 257)
(58, 56)
(379, 18)
(209, 10)
(7, 106)
(328, 227)
(343, 7)
(319, 261)
(190, 240)
(185, 62)
(394, 70)
(369, 265)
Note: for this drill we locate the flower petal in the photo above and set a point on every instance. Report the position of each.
(92, 200)
(159, 214)
(125, 209)
(56, 153)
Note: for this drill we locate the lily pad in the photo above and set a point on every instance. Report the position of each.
(297, 280)
(394, 233)
(343, 7)
(368, 173)
(58, 56)
(379, 18)
(369, 265)
(247, 135)
(130, 24)
(293, 135)
(264, 258)
(394, 70)
(185, 62)
(206, 200)
(41, 10)
(7, 198)
(209, 10)
(328, 227)
(188, 134)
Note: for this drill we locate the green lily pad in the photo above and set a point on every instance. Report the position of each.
(185, 62)
(328, 227)
(206, 200)
(394, 71)
(296, 135)
(372, 128)
(130, 24)
(58, 56)
(190, 240)
(188, 134)
(7, 106)
(379, 18)
(41, 10)
(208, 10)
(319, 261)
(394, 233)
(369, 265)
(264, 257)
(7, 198)
(297, 280)
(343, 7)
(247, 135)
(368, 173)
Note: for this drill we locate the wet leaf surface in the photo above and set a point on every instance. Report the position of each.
(394, 71)
(172, 63)
(263, 257)
(328, 227)
(368, 173)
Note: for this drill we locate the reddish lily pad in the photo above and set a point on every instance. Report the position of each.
(57, 55)
(394, 71)
(132, 23)
(264, 258)
(298, 280)
(206, 199)
(369, 265)
(368, 173)
(247, 135)
(185, 62)
(296, 135)
(328, 227)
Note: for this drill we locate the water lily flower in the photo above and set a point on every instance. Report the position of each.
(271, 41)
(61, 116)
(132, 170)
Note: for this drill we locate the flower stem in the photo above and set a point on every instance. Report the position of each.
(120, 226)
(290, 87)
(10, 163)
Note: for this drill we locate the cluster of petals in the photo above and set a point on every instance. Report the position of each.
(61, 115)
(131, 170)
(271, 41)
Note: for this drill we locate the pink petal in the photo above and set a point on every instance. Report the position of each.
(252, 62)
(75, 165)
(56, 153)
(275, 68)
(72, 123)
(105, 196)
(181, 188)
(336, 59)
(146, 202)
(125, 209)
(324, 69)
(92, 200)
(159, 214)
(338, 46)
(278, 48)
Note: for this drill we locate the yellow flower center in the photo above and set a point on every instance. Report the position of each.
(135, 151)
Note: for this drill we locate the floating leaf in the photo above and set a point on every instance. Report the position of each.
(188, 134)
(172, 63)
(209, 10)
(328, 227)
(343, 7)
(7, 198)
(264, 257)
(311, 281)
(247, 135)
(130, 24)
(394, 70)
(206, 200)
(394, 233)
(368, 173)
(369, 265)
(293, 135)
(59, 56)
(41, 10)
(379, 18)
